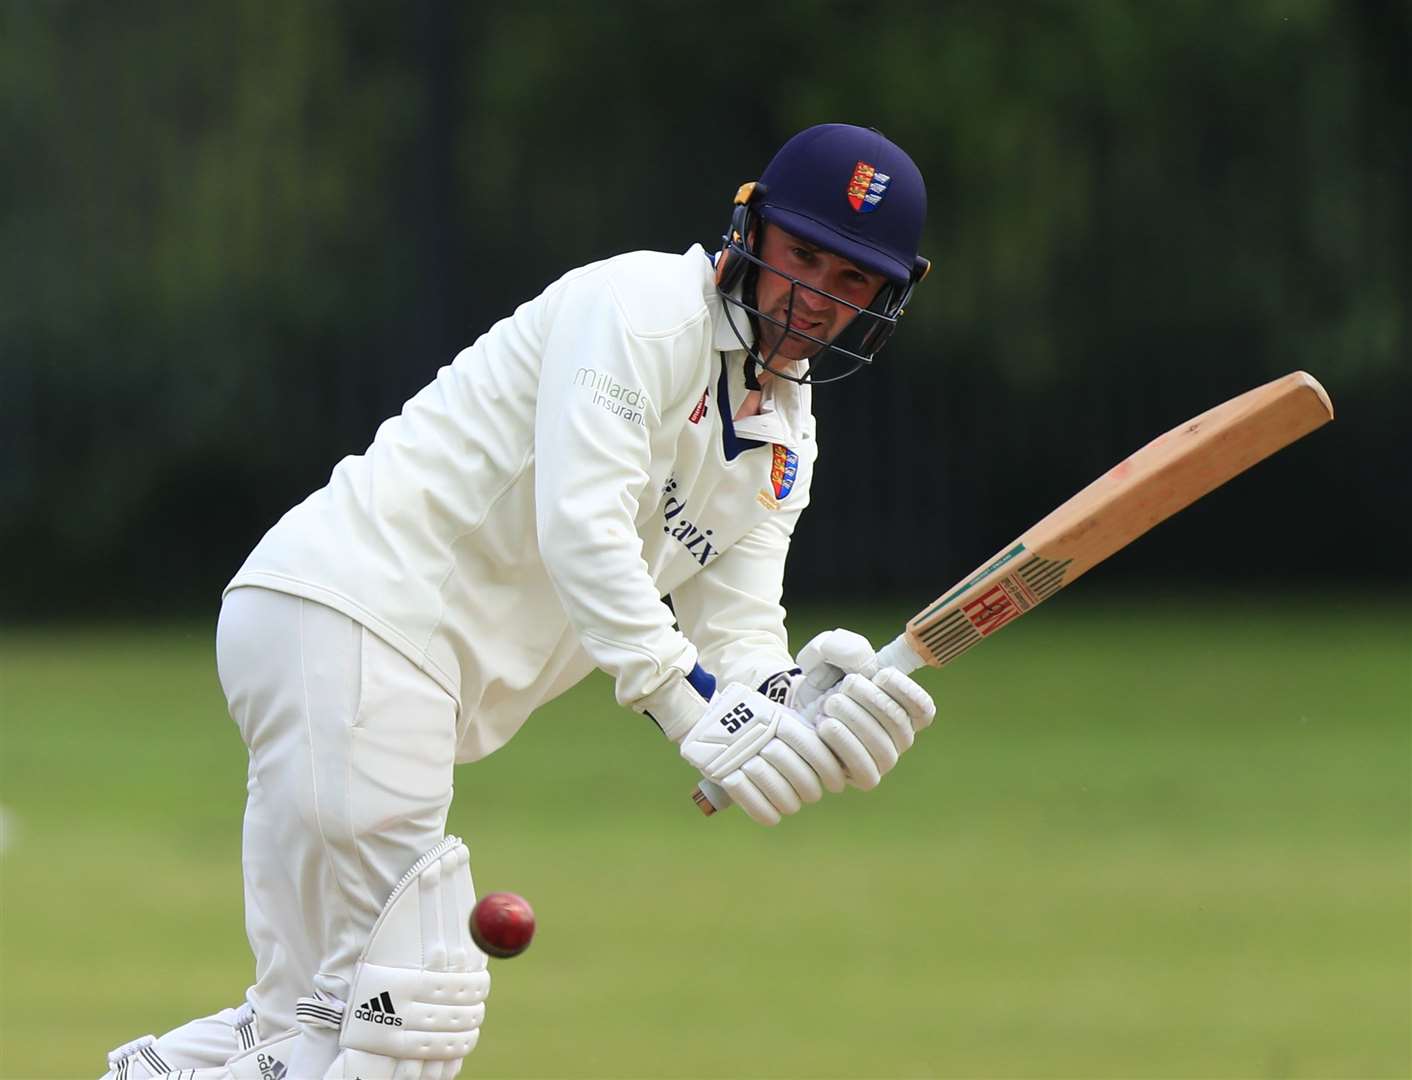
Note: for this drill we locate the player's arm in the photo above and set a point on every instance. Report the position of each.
(592, 467)
(732, 611)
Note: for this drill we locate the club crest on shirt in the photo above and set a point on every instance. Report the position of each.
(866, 188)
(783, 470)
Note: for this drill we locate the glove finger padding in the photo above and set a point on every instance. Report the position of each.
(881, 706)
(805, 741)
(772, 784)
(869, 723)
(866, 728)
(908, 693)
(860, 766)
(750, 798)
(801, 776)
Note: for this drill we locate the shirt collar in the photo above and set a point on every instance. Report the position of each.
(784, 406)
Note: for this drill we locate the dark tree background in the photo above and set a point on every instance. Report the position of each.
(234, 236)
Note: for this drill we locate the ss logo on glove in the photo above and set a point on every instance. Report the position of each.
(737, 718)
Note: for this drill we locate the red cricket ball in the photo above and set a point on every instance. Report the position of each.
(502, 924)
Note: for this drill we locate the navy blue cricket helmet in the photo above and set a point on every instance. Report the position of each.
(851, 191)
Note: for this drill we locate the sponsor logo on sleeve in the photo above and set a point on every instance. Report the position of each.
(626, 402)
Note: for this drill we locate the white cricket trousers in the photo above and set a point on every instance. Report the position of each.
(351, 756)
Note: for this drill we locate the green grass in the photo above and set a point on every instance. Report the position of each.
(1146, 839)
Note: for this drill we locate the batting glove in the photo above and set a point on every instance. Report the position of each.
(765, 756)
(869, 722)
(825, 660)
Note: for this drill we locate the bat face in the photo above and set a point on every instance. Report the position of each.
(1169, 473)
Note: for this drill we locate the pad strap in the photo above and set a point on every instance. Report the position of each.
(322, 1010)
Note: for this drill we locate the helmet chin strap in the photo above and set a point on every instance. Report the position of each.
(752, 382)
(752, 358)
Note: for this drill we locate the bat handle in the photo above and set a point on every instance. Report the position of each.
(710, 797)
(899, 654)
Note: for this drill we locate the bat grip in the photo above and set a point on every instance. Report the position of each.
(711, 797)
(899, 654)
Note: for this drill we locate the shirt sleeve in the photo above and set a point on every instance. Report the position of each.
(732, 609)
(603, 390)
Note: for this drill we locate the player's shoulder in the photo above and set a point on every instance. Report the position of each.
(659, 294)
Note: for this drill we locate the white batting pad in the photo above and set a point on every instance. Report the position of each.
(419, 993)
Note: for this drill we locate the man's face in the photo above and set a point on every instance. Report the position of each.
(813, 314)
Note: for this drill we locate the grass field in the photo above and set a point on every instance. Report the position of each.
(1146, 839)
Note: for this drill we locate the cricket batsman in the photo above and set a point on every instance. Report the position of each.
(639, 433)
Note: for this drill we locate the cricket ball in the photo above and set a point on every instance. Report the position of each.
(502, 924)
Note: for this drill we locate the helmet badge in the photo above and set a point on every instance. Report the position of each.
(866, 188)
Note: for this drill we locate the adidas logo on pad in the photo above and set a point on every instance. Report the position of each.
(378, 1010)
(271, 1067)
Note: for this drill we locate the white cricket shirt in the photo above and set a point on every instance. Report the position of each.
(522, 518)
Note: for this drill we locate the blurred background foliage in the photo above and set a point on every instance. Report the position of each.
(235, 236)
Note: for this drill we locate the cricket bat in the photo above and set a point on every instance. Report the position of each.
(1166, 475)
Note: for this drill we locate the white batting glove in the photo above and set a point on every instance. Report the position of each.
(762, 753)
(825, 660)
(869, 722)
